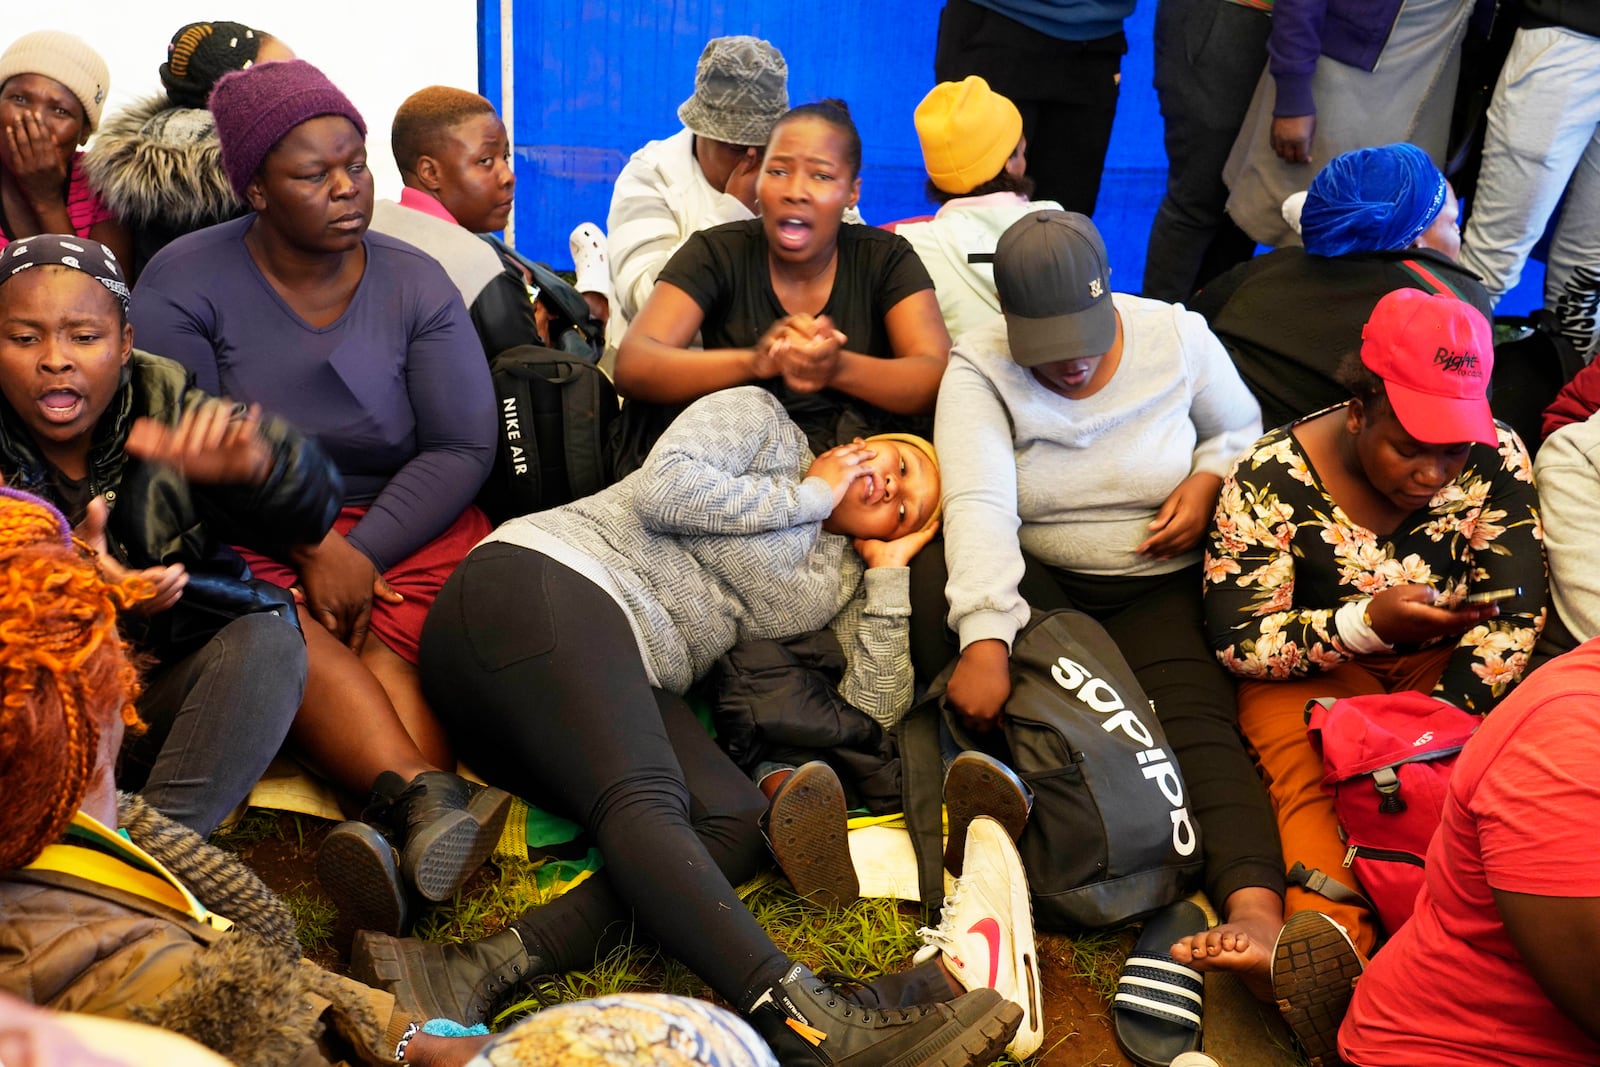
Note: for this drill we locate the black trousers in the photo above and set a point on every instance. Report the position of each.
(1066, 91)
(536, 676)
(1157, 624)
(1208, 57)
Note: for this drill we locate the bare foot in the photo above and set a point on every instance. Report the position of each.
(1242, 943)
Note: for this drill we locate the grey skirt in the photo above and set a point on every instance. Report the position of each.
(1408, 96)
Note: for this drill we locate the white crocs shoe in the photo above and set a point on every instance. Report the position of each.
(985, 933)
(590, 266)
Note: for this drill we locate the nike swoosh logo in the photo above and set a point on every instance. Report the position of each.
(990, 929)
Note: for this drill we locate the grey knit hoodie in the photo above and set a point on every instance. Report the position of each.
(716, 539)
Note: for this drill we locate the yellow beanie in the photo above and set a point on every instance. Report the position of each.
(925, 446)
(968, 131)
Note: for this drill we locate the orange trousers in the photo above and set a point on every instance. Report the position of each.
(1272, 719)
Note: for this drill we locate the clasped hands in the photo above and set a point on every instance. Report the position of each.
(802, 349)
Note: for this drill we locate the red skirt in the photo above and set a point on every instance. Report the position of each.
(418, 577)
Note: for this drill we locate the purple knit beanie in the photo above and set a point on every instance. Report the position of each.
(256, 108)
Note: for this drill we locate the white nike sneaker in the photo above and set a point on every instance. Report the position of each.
(985, 933)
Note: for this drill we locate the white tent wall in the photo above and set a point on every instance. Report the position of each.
(376, 53)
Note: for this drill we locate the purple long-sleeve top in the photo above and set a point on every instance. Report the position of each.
(396, 389)
(1350, 31)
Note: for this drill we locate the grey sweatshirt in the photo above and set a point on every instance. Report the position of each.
(718, 538)
(1075, 483)
(1567, 472)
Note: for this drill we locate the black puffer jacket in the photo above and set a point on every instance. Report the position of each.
(157, 517)
(779, 702)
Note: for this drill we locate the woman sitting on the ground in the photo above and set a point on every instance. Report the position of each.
(363, 342)
(157, 164)
(839, 322)
(52, 86)
(80, 424)
(556, 655)
(1083, 439)
(97, 427)
(1342, 554)
(1374, 220)
(1567, 473)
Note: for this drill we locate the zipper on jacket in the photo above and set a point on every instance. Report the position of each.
(1383, 855)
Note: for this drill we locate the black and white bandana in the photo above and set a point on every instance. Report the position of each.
(79, 253)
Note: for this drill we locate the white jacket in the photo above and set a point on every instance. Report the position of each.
(963, 226)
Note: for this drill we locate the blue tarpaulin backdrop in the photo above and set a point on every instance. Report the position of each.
(596, 79)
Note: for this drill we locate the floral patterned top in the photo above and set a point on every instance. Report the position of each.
(1283, 557)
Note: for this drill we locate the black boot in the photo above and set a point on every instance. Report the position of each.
(809, 1023)
(447, 827)
(360, 871)
(433, 981)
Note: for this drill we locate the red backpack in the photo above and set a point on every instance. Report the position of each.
(1387, 759)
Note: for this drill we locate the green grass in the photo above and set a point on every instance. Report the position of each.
(1097, 958)
(314, 918)
(257, 825)
(861, 942)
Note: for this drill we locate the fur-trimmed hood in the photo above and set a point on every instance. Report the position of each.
(75, 944)
(155, 163)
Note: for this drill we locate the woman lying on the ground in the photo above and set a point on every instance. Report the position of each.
(1083, 439)
(52, 86)
(362, 341)
(1342, 556)
(120, 923)
(157, 164)
(840, 322)
(556, 654)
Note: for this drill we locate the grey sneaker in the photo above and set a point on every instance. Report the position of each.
(432, 981)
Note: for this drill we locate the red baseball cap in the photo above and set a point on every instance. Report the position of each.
(1434, 353)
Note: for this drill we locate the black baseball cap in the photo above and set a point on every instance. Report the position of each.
(1054, 282)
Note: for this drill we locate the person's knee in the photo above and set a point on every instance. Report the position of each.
(269, 644)
(732, 832)
(642, 802)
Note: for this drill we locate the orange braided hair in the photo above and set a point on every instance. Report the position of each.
(62, 667)
(182, 50)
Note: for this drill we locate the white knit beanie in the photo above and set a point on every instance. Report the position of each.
(65, 58)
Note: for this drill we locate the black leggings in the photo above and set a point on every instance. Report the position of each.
(536, 676)
(1157, 624)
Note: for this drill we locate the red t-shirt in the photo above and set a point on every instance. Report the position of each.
(1450, 989)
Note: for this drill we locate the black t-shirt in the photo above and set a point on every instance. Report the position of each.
(724, 270)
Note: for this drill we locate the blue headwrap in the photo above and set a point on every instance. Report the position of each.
(1372, 200)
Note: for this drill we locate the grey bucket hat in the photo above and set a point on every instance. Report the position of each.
(741, 88)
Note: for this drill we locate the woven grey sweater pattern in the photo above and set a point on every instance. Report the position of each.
(718, 538)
